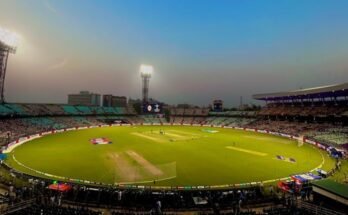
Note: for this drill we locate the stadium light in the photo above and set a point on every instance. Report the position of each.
(8, 44)
(8, 40)
(146, 70)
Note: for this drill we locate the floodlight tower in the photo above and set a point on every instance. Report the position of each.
(146, 72)
(8, 41)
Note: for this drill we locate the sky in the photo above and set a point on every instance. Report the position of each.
(201, 50)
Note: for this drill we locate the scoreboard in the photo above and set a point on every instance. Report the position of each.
(218, 106)
(152, 108)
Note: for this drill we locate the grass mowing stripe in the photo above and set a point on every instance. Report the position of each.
(176, 135)
(145, 163)
(124, 167)
(148, 137)
(246, 151)
(182, 164)
(184, 132)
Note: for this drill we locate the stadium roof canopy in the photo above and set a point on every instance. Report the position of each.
(337, 90)
(331, 189)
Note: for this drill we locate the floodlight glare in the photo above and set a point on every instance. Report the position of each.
(8, 44)
(9, 39)
(146, 70)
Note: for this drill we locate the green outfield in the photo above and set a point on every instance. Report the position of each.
(166, 156)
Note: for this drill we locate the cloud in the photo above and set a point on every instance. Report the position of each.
(52, 9)
(58, 65)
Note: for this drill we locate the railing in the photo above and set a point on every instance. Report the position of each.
(16, 207)
(315, 209)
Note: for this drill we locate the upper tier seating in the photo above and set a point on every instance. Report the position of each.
(84, 109)
(303, 110)
(6, 110)
(16, 108)
(69, 109)
(189, 111)
(109, 110)
(180, 111)
(35, 109)
(55, 109)
(97, 110)
(121, 110)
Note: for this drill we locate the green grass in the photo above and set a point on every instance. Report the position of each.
(342, 174)
(193, 157)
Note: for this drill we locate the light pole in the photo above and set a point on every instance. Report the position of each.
(8, 44)
(145, 72)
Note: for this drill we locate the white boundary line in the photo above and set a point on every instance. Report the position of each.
(19, 142)
(86, 181)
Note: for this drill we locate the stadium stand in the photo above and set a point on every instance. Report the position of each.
(317, 113)
(55, 109)
(293, 128)
(198, 120)
(16, 108)
(41, 209)
(121, 110)
(153, 119)
(179, 111)
(189, 111)
(312, 103)
(97, 110)
(323, 123)
(84, 110)
(203, 116)
(215, 120)
(304, 109)
(333, 135)
(43, 122)
(178, 119)
(130, 110)
(5, 111)
(109, 110)
(35, 109)
(70, 110)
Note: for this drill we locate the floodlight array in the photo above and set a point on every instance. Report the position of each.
(146, 70)
(8, 40)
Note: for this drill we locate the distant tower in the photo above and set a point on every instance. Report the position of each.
(146, 72)
(241, 102)
(8, 42)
